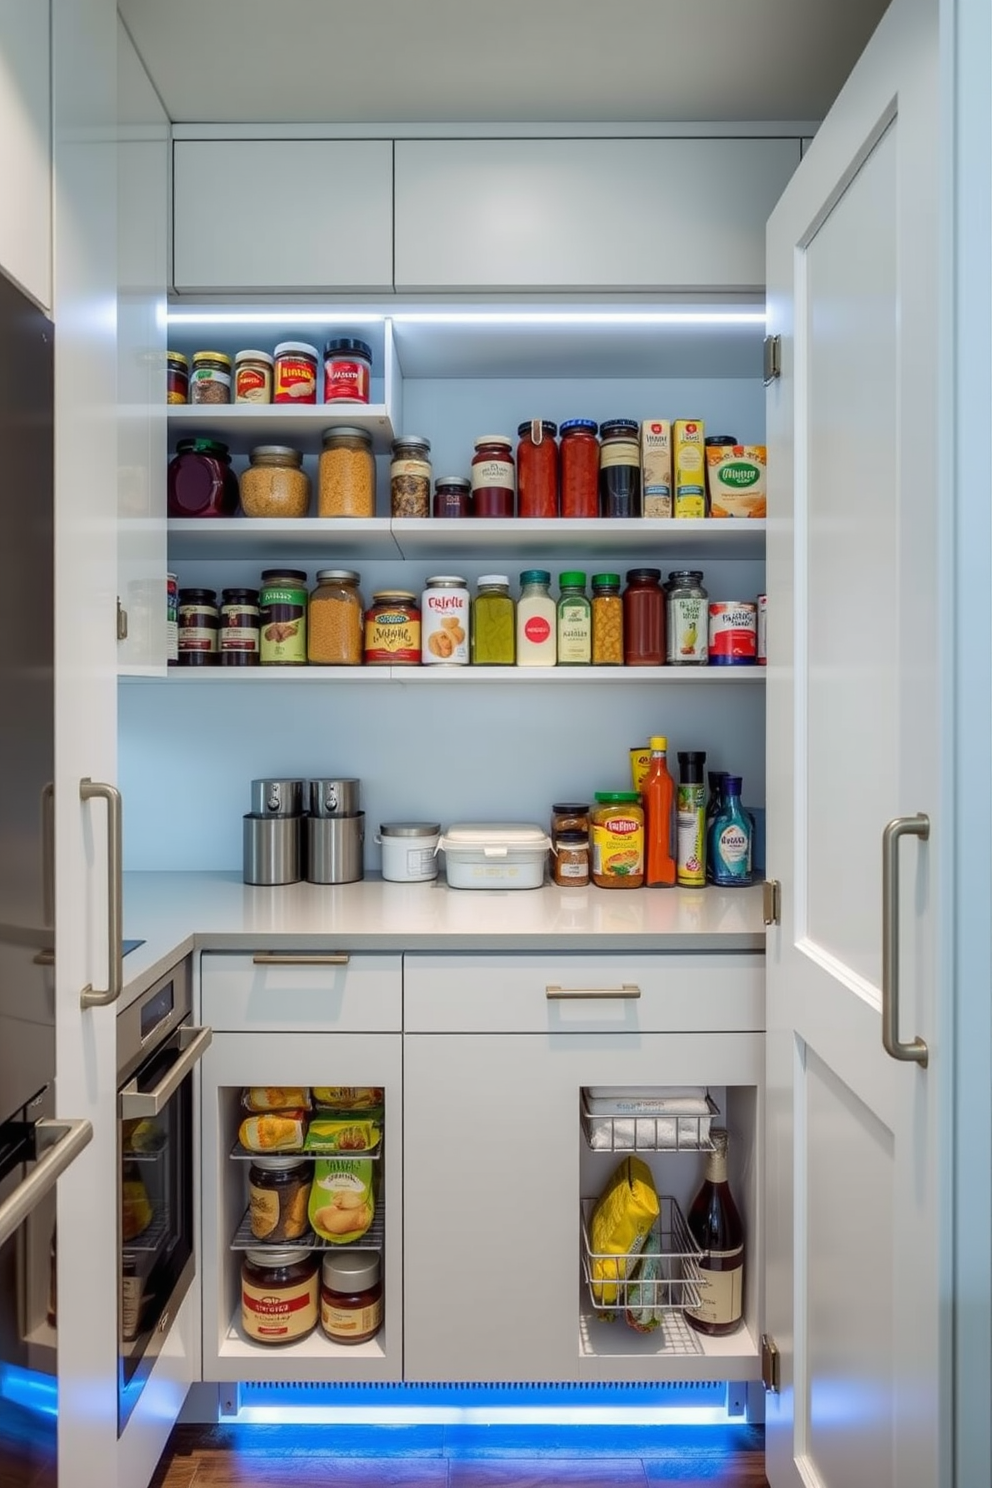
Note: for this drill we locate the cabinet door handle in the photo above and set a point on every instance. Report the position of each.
(92, 790)
(555, 993)
(900, 826)
(62, 1142)
(191, 1045)
(301, 958)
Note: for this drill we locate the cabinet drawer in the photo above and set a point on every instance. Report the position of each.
(668, 992)
(271, 991)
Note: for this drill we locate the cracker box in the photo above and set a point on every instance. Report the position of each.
(656, 468)
(689, 467)
(736, 478)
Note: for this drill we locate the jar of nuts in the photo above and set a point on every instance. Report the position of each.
(347, 474)
(275, 484)
(337, 619)
(410, 476)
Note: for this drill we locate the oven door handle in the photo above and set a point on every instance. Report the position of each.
(135, 1103)
(63, 1141)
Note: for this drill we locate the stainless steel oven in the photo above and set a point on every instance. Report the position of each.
(157, 1051)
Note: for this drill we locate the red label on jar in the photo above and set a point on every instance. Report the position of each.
(252, 385)
(296, 380)
(732, 634)
(346, 382)
(537, 629)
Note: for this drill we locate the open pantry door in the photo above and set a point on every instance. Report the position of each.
(853, 724)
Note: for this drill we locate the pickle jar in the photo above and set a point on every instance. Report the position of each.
(347, 473)
(537, 469)
(493, 622)
(410, 477)
(493, 481)
(336, 622)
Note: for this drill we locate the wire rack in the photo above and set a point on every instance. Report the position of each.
(244, 1154)
(638, 1130)
(373, 1239)
(672, 1335)
(153, 1236)
(660, 1278)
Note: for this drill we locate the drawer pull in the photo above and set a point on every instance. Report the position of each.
(555, 993)
(301, 958)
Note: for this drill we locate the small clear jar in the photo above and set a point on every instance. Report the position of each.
(275, 483)
(210, 380)
(494, 627)
(687, 616)
(351, 1296)
(607, 620)
(570, 860)
(452, 496)
(346, 486)
(336, 623)
(410, 477)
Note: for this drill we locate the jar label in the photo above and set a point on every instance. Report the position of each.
(411, 467)
(252, 385)
(264, 1207)
(345, 381)
(721, 1293)
(210, 374)
(574, 633)
(350, 1322)
(392, 636)
(492, 473)
(578, 869)
(283, 626)
(618, 847)
(620, 452)
(687, 630)
(274, 1316)
(444, 637)
(537, 630)
(295, 380)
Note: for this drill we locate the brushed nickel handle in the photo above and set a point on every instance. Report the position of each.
(301, 958)
(70, 1137)
(137, 1103)
(899, 827)
(555, 993)
(94, 790)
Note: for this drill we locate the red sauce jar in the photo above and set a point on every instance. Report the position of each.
(537, 469)
(492, 476)
(644, 618)
(579, 468)
(295, 377)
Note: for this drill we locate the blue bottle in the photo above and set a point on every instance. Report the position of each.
(730, 838)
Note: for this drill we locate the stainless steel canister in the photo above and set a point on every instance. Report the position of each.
(335, 848)
(277, 797)
(335, 797)
(273, 849)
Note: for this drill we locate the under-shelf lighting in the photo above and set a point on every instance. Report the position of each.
(341, 315)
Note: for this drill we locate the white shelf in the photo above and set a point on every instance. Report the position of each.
(314, 1358)
(441, 676)
(274, 540)
(243, 425)
(685, 1354)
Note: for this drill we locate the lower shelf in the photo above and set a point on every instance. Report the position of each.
(673, 1351)
(315, 1357)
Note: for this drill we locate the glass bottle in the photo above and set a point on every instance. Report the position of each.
(658, 796)
(619, 469)
(643, 618)
(714, 779)
(607, 620)
(574, 621)
(730, 838)
(579, 459)
(715, 1225)
(690, 820)
(537, 620)
(493, 622)
(687, 618)
(537, 469)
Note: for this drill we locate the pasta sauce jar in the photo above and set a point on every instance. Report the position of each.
(579, 468)
(537, 469)
(392, 629)
(492, 476)
(295, 378)
(279, 1294)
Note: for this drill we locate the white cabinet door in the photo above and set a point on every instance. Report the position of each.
(678, 214)
(855, 737)
(26, 147)
(282, 214)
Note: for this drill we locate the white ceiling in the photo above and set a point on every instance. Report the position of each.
(498, 61)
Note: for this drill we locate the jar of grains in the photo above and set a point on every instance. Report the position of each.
(452, 496)
(253, 377)
(336, 621)
(579, 468)
(275, 484)
(239, 627)
(410, 477)
(282, 615)
(493, 476)
(176, 377)
(607, 620)
(537, 469)
(210, 381)
(347, 474)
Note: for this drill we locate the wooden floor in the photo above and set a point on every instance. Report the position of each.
(461, 1457)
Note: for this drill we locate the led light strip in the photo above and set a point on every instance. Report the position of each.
(552, 318)
(510, 1415)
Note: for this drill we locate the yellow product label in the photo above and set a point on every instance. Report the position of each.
(689, 468)
(264, 1206)
(618, 846)
(736, 477)
(640, 763)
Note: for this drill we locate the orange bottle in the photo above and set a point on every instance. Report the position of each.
(658, 795)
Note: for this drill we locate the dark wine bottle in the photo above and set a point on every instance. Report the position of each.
(716, 1227)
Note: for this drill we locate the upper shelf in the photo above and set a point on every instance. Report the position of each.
(243, 425)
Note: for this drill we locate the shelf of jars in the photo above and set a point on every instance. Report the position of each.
(458, 676)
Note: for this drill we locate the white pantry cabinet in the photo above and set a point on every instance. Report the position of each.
(26, 147)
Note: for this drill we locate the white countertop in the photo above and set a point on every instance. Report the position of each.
(179, 912)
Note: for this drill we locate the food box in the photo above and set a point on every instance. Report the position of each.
(656, 468)
(735, 475)
(495, 855)
(689, 468)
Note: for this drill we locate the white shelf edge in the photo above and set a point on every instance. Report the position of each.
(437, 676)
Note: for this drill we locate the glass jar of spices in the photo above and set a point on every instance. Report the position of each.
(210, 380)
(239, 628)
(493, 476)
(570, 860)
(347, 473)
(537, 469)
(687, 618)
(282, 614)
(643, 618)
(410, 477)
(275, 483)
(452, 496)
(607, 620)
(176, 377)
(197, 627)
(579, 468)
(336, 623)
(619, 469)
(493, 622)
(574, 621)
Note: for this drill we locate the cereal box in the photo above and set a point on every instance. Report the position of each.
(689, 464)
(656, 468)
(736, 477)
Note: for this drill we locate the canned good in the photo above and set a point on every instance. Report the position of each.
(197, 644)
(176, 377)
(618, 840)
(347, 370)
(733, 629)
(762, 656)
(687, 617)
(445, 624)
(253, 377)
(239, 627)
(392, 629)
(171, 618)
(295, 376)
(282, 614)
(210, 381)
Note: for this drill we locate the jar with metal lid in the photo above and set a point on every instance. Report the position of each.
(569, 816)
(280, 1294)
(618, 840)
(607, 620)
(643, 618)
(197, 627)
(493, 476)
(253, 376)
(336, 620)
(579, 454)
(351, 1296)
(275, 483)
(294, 378)
(392, 629)
(687, 617)
(278, 1194)
(444, 637)
(570, 860)
(239, 627)
(347, 473)
(176, 377)
(201, 482)
(210, 379)
(410, 476)
(409, 851)
(347, 370)
(452, 496)
(619, 469)
(282, 615)
(537, 469)
(494, 631)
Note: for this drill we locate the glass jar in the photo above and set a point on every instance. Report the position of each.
(347, 474)
(351, 1296)
(278, 1191)
(253, 377)
(410, 477)
(452, 496)
(239, 627)
(579, 468)
(618, 840)
(197, 627)
(275, 483)
(570, 860)
(493, 476)
(569, 816)
(493, 622)
(210, 380)
(537, 469)
(687, 616)
(172, 619)
(176, 377)
(282, 615)
(336, 622)
(392, 629)
(279, 1294)
(643, 618)
(201, 482)
(574, 621)
(295, 375)
(619, 469)
(445, 627)
(347, 370)
(607, 620)
(537, 620)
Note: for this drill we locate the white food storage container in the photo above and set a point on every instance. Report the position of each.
(409, 851)
(495, 855)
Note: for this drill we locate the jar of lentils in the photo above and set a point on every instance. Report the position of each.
(410, 476)
(275, 484)
(347, 474)
(336, 627)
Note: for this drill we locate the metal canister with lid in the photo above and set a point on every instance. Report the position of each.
(687, 616)
(445, 606)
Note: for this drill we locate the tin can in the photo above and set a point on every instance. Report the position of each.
(445, 622)
(762, 657)
(295, 377)
(172, 619)
(687, 617)
(392, 629)
(282, 617)
(733, 633)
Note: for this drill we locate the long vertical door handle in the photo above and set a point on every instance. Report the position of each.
(900, 826)
(91, 790)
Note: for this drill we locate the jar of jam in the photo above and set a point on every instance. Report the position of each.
(201, 482)
(643, 618)
(392, 629)
(537, 469)
(279, 1294)
(253, 377)
(176, 377)
(410, 477)
(493, 476)
(579, 468)
(351, 1296)
(210, 381)
(197, 627)
(347, 370)
(239, 627)
(619, 469)
(282, 616)
(278, 1194)
(295, 375)
(570, 860)
(452, 496)
(336, 620)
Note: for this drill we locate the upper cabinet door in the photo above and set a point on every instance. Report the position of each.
(26, 148)
(577, 214)
(283, 214)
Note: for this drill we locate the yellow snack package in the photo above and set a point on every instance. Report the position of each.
(347, 1134)
(341, 1204)
(621, 1220)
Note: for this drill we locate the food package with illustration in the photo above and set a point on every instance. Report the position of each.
(656, 468)
(735, 475)
(342, 1205)
(274, 1131)
(620, 1224)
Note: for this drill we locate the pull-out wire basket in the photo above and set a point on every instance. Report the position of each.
(678, 1127)
(663, 1276)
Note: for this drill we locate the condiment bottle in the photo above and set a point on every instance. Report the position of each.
(574, 621)
(730, 838)
(493, 476)
(690, 816)
(493, 622)
(659, 818)
(537, 620)
(715, 1225)
(687, 618)
(537, 469)
(643, 618)
(607, 620)
(619, 469)
(579, 459)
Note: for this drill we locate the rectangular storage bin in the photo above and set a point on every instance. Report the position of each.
(495, 855)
